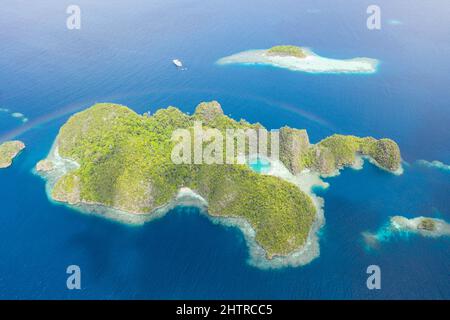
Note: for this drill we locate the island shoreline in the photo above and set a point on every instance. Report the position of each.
(186, 197)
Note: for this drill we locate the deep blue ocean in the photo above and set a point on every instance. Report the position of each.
(123, 53)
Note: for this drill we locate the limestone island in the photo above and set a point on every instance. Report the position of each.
(8, 151)
(300, 59)
(112, 161)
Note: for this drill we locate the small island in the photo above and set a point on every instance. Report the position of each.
(399, 226)
(300, 59)
(108, 156)
(8, 151)
(424, 226)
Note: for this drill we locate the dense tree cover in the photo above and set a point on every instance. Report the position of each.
(125, 163)
(287, 50)
(279, 212)
(344, 149)
(334, 152)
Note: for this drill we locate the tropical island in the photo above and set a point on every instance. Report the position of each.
(8, 151)
(300, 59)
(112, 157)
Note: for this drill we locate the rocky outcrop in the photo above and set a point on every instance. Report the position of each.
(67, 189)
(294, 145)
(45, 166)
(208, 111)
(387, 154)
(323, 161)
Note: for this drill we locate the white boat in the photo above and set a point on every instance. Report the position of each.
(177, 63)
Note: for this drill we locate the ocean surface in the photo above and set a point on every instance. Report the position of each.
(123, 53)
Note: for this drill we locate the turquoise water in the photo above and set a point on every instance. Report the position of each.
(260, 165)
(123, 54)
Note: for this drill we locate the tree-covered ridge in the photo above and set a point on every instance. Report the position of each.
(334, 152)
(8, 151)
(287, 50)
(125, 163)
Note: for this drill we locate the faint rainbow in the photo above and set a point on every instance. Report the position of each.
(71, 108)
(10, 135)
